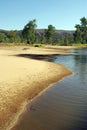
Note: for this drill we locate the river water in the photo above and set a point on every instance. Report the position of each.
(64, 105)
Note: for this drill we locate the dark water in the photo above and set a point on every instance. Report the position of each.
(64, 105)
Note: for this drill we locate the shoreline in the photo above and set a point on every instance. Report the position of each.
(26, 103)
(19, 80)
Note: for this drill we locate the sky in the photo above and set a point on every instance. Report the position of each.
(63, 14)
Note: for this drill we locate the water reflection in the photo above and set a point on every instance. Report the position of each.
(81, 61)
(76, 62)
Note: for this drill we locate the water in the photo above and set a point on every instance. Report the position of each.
(64, 105)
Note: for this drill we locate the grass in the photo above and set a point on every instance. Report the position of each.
(38, 44)
(12, 44)
(79, 45)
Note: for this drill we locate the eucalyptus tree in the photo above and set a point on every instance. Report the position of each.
(81, 31)
(29, 31)
(49, 33)
(84, 29)
(78, 34)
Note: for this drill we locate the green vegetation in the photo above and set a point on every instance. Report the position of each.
(37, 45)
(81, 32)
(30, 35)
(79, 44)
(49, 33)
(2, 37)
(13, 37)
(29, 32)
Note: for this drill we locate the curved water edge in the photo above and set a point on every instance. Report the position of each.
(64, 105)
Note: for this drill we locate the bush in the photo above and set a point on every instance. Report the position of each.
(37, 45)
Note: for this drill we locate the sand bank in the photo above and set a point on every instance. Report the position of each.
(22, 78)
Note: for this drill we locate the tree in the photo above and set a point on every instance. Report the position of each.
(66, 39)
(13, 37)
(78, 37)
(49, 33)
(29, 31)
(3, 37)
(43, 39)
(84, 29)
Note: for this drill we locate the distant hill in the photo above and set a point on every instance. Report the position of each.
(57, 34)
(4, 31)
(40, 32)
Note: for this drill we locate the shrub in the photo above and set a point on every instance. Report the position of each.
(37, 45)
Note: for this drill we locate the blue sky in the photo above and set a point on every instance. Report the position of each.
(63, 14)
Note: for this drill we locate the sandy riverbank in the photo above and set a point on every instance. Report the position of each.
(22, 77)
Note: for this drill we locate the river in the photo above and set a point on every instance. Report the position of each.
(64, 105)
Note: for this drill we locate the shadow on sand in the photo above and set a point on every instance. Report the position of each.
(39, 56)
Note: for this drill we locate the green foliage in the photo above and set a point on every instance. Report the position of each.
(29, 35)
(29, 31)
(49, 33)
(3, 37)
(13, 37)
(37, 45)
(78, 37)
(81, 31)
(79, 44)
(43, 39)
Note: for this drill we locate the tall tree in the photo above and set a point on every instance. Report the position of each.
(78, 37)
(84, 29)
(29, 31)
(81, 31)
(49, 33)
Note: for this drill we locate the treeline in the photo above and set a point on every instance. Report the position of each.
(29, 35)
(81, 31)
(10, 37)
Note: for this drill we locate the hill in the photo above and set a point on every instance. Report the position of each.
(40, 32)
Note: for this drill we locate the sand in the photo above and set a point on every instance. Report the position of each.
(23, 76)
